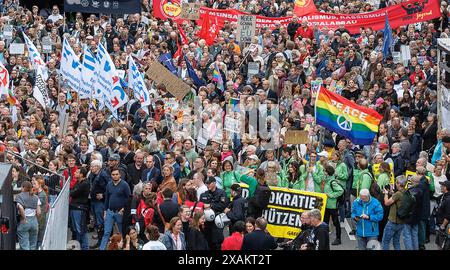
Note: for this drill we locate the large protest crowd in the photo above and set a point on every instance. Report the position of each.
(171, 177)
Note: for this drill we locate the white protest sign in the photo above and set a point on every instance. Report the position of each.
(46, 44)
(8, 32)
(253, 68)
(231, 124)
(246, 29)
(16, 48)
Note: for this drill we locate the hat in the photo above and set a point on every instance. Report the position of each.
(445, 184)
(255, 157)
(231, 36)
(114, 157)
(323, 154)
(210, 180)
(359, 152)
(383, 146)
(279, 55)
(446, 139)
(48, 21)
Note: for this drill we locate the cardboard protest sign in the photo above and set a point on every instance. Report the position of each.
(287, 90)
(246, 29)
(158, 73)
(296, 137)
(190, 11)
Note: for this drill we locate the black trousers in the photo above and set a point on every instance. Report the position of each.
(335, 218)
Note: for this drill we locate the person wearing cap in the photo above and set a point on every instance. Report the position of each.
(323, 158)
(443, 214)
(312, 176)
(236, 210)
(217, 200)
(114, 163)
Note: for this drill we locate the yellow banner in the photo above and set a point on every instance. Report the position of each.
(285, 208)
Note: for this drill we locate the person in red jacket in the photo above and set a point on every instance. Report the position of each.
(234, 241)
(304, 31)
(70, 171)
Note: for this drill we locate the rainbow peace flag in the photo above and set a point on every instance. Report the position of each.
(338, 114)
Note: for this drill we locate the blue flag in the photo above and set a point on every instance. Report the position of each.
(166, 60)
(195, 79)
(387, 38)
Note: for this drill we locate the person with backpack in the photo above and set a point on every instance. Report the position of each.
(260, 199)
(367, 212)
(348, 158)
(237, 210)
(333, 190)
(395, 224)
(341, 175)
(410, 211)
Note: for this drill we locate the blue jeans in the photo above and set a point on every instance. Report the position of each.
(110, 219)
(28, 234)
(51, 199)
(392, 231)
(79, 226)
(98, 207)
(411, 236)
(362, 241)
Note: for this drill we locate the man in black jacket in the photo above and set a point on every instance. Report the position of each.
(79, 204)
(425, 213)
(98, 180)
(320, 233)
(293, 26)
(168, 208)
(238, 207)
(259, 239)
(217, 200)
(443, 215)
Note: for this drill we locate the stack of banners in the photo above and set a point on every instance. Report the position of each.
(70, 66)
(408, 12)
(346, 118)
(285, 208)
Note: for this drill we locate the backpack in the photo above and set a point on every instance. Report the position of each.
(375, 190)
(262, 196)
(340, 199)
(408, 205)
(148, 215)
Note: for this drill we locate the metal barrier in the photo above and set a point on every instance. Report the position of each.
(55, 236)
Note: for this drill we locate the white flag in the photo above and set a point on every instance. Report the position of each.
(40, 90)
(136, 82)
(88, 75)
(35, 57)
(108, 82)
(4, 80)
(70, 66)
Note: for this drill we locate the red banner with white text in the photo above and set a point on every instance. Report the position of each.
(408, 12)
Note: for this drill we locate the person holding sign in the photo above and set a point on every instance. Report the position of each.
(333, 190)
(311, 174)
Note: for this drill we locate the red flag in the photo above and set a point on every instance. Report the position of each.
(184, 39)
(178, 52)
(210, 30)
(304, 7)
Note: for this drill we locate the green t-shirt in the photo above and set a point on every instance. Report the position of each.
(397, 197)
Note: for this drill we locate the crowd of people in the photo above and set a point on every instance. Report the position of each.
(143, 181)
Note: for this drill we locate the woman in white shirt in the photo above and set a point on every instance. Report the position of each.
(152, 234)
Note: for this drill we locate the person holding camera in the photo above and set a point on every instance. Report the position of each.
(238, 207)
(302, 237)
(367, 212)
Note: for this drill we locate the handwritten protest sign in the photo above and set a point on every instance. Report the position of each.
(158, 73)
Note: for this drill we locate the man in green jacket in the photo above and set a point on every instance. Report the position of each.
(333, 190)
(312, 176)
(286, 159)
(365, 179)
